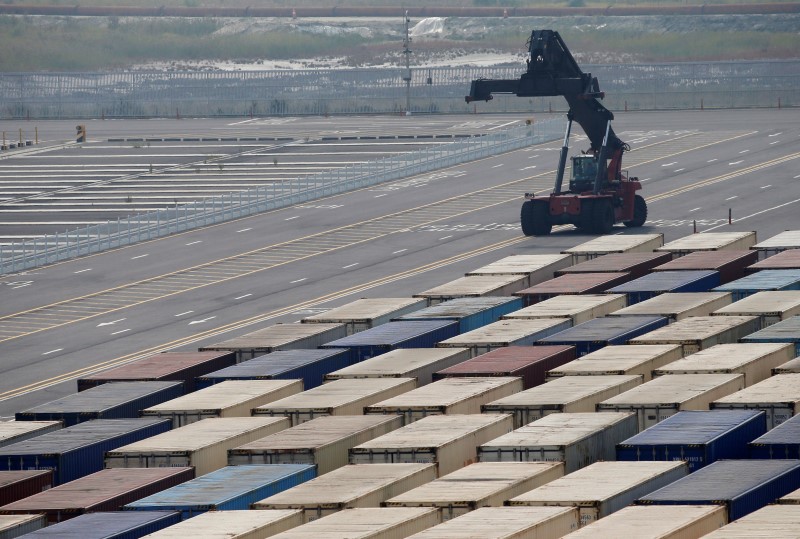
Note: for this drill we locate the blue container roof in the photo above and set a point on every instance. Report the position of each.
(275, 363)
(693, 427)
(104, 396)
(605, 328)
(787, 432)
(763, 280)
(662, 281)
(391, 333)
(784, 331)
(461, 307)
(103, 525)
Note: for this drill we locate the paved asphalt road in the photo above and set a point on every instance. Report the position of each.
(393, 240)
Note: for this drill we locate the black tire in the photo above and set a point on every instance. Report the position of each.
(639, 212)
(535, 218)
(602, 216)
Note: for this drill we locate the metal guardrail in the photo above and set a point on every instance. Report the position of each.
(93, 239)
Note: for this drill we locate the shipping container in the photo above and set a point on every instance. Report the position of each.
(786, 331)
(324, 442)
(310, 366)
(366, 313)
(354, 485)
(418, 363)
(778, 396)
(279, 337)
(696, 437)
(788, 259)
(367, 523)
(701, 332)
(109, 525)
(770, 306)
(662, 282)
(791, 366)
(730, 264)
(394, 335)
(639, 360)
(635, 264)
(231, 525)
(709, 241)
(227, 489)
(566, 394)
(781, 442)
(576, 439)
(538, 268)
(572, 284)
(662, 397)
(484, 484)
(771, 521)
(784, 241)
(475, 286)
(447, 396)
(203, 445)
(167, 366)
(603, 488)
(600, 332)
(340, 397)
(470, 313)
(742, 486)
(678, 305)
(77, 451)
(449, 441)
(507, 523)
(232, 398)
(754, 360)
(764, 280)
(530, 363)
(506, 333)
(18, 525)
(605, 245)
(116, 400)
(12, 432)
(578, 308)
(18, 484)
(656, 522)
(106, 490)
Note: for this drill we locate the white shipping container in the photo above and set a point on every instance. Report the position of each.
(203, 445)
(484, 484)
(231, 398)
(667, 395)
(419, 363)
(340, 397)
(769, 522)
(771, 306)
(366, 313)
(603, 245)
(701, 332)
(754, 360)
(354, 485)
(324, 441)
(475, 286)
(232, 525)
(566, 394)
(19, 525)
(656, 522)
(448, 396)
(639, 360)
(710, 241)
(603, 488)
(506, 333)
(538, 268)
(450, 441)
(12, 432)
(778, 396)
(279, 337)
(576, 439)
(507, 523)
(367, 523)
(791, 366)
(679, 305)
(579, 308)
(788, 239)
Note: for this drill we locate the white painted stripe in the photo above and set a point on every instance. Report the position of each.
(712, 160)
(695, 209)
(744, 151)
(182, 314)
(731, 198)
(502, 125)
(500, 165)
(383, 195)
(450, 236)
(140, 256)
(81, 271)
(244, 229)
(776, 142)
(53, 351)
(736, 162)
(669, 164)
(290, 218)
(526, 168)
(400, 251)
(679, 170)
(195, 242)
(298, 280)
(350, 265)
(120, 331)
(775, 134)
(245, 296)
(765, 186)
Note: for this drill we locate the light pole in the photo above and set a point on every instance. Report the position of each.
(407, 74)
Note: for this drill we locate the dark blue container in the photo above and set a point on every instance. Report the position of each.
(109, 525)
(662, 282)
(784, 331)
(227, 489)
(115, 400)
(311, 366)
(79, 450)
(393, 335)
(470, 313)
(698, 437)
(600, 332)
(782, 279)
(743, 486)
(781, 442)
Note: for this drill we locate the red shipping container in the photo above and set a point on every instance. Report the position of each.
(18, 484)
(106, 490)
(530, 363)
(788, 259)
(572, 284)
(637, 264)
(731, 265)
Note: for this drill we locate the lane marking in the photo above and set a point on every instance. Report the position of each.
(500, 165)
(775, 134)
(298, 280)
(52, 351)
(245, 296)
(376, 196)
(669, 164)
(194, 242)
(400, 251)
(140, 256)
(287, 219)
(81, 271)
(101, 324)
(679, 170)
(731, 198)
(744, 151)
(694, 209)
(765, 186)
(201, 321)
(736, 162)
(350, 265)
(182, 314)
(121, 331)
(450, 236)
(244, 230)
(712, 160)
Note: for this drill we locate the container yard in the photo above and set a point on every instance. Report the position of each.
(662, 282)
(367, 523)
(418, 363)
(710, 241)
(634, 264)
(778, 396)
(18, 484)
(475, 286)
(601, 332)
(678, 305)
(279, 337)
(770, 306)
(773, 521)
(395, 335)
(657, 521)
(111, 524)
(787, 331)
(231, 525)
(730, 265)
(17, 431)
(781, 442)
(762, 281)
(537, 268)
(604, 245)
(366, 313)
(578, 308)
(575, 439)
(572, 284)
(537, 522)
(701, 332)
(506, 333)
(639, 360)
(470, 313)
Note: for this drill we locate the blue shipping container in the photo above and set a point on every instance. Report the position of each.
(784, 331)
(781, 442)
(393, 335)
(697, 437)
(743, 486)
(79, 450)
(470, 313)
(110, 525)
(779, 279)
(115, 400)
(600, 332)
(311, 366)
(661, 282)
(227, 489)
